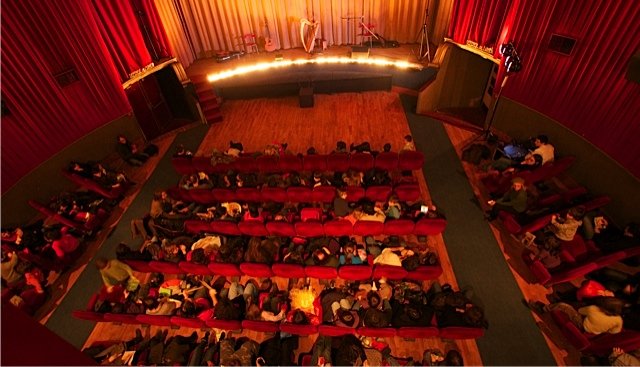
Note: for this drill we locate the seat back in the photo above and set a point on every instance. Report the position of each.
(398, 227)
(338, 162)
(429, 226)
(309, 229)
(299, 194)
(268, 163)
(407, 192)
(290, 163)
(361, 161)
(248, 194)
(378, 193)
(409, 160)
(387, 161)
(314, 162)
(225, 227)
(368, 228)
(338, 227)
(283, 229)
(253, 228)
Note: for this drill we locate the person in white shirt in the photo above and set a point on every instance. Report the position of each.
(543, 148)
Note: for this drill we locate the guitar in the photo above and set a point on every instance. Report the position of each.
(269, 45)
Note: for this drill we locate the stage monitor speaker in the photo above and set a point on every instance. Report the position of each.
(633, 71)
(359, 52)
(306, 97)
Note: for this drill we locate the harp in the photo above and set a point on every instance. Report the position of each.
(308, 31)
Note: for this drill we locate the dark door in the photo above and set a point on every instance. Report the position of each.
(149, 107)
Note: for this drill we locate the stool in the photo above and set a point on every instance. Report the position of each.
(306, 97)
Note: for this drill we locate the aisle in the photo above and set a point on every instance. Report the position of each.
(61, 322)
(513, 337)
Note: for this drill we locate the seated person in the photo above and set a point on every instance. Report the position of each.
(458, 310)
(340, 204)
(603, 316)
(130, 152)
(393, 256)
(378, 314)
(233, 353)
(80, 169)
(318, 180)
(322, 257)
(410, 314)
(513, 201)
(394, 209)
(370, 212)
(253, 213)
(30, 295)
(353, 178)
(408, 143)
(10, 261)
(349, 256)
(547, 251)
(543, 148)
(231, 251)
(108, 179)
(341, 148)
(376, 177)
(62, 243)
(566, 228)
(262, 250)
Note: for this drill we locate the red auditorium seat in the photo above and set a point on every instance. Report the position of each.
(113, 193)
(429, 226)
(262, 326)
(256, 270)
(202, 196)
(203, 164)
(425, 272)
(288, 270)
(290, 163)
(224, 195)
(183, 165)
(253, 228)
(267, 163)
(188, 322)
(165, 267)
(225, 227)
(354, 193)
(332, 330)
(409, 160)
(320, 272)
(121, 318)
(338, 227)
(338, 162)
(422, 332)
(387, 161)
(361, 161)
(295, 329)
(378, 193)
(248, 194)
(178, 193)
(309, 229)
(299, 194)
(224, 324)
(398, 227)
(192, 268)
(282, 229)
(323, 194)
(311, 214)
(194, 226)
(407, 192)
(355, 272)
(275, 194)
(373, 332)
(155, 320)
(314, 162)
(389, 272)
(368, 228)
(245, 164)
(139, 265)
(459, 332)
(228, 270)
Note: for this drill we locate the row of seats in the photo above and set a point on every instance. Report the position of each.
(258, 270)
(517, 227)
(579, 257)
(602, 344)
(390, 161)
(84, 227)
(540, 174)
(295, 194)
(452, 332)
(113, 193)
(334, 227)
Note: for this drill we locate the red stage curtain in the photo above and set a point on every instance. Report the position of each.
(156, 32)
(477, 20)
(121, 33)
(40, 38)
(586, 91)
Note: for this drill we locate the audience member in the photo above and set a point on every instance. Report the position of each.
(408, 143)
(566, 228)
(130, 152)
(513, 201)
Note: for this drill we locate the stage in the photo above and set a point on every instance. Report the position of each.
(323, 78)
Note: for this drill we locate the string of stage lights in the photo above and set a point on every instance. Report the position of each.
(262, 66)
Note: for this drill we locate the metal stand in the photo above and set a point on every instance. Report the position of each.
(424, 51)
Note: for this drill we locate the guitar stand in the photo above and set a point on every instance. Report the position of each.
(423, 50)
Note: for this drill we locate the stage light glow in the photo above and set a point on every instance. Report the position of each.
(263, 66)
